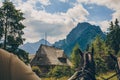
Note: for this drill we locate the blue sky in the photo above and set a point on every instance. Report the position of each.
(58, 17)
(98, 12)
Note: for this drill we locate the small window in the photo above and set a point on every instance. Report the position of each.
(63, 60)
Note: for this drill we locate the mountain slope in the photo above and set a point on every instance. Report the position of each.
(82, 34)
(33, 47)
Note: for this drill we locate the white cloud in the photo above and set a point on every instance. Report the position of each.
(0, 4)
(63, 1)
(104, 25)
(45, 2)
(57, 25)
(111, 4)
(78, 13)
(116, 15)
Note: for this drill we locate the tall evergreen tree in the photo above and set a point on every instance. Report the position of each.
(100, 47)
(11, 28)
(113, 36)
(101, 51)
(75, 56)
(11, 25)
(111, 26)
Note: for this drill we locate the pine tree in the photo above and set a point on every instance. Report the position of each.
(75, 56)
(11, 29)
(101, 51)
(100, 47)
(113, 37)
(111, 26)
(97, 44)
(11, 25)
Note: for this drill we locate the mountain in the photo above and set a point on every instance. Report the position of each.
(33, 47)
(82, 34)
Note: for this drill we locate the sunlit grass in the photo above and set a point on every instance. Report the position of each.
(107, 75)
(63, 78)
(104, 75)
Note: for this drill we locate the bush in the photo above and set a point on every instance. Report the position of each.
(60, 71)
(101, 65)
(36, 69)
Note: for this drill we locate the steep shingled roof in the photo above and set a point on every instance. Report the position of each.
(48, 55)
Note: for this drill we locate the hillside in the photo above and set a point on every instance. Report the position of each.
(82, 34)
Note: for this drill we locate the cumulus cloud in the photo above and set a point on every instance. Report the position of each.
(78, 13)
(0, 4)
(45, 2)
(63, 1)
(116, 15)
(57, 25)
(111, 4)
(104, 25)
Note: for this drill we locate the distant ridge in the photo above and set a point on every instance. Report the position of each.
(33, 47)
(82, 34)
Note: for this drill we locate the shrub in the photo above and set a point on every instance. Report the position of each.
(36, 69)
(101, 65)
(60, 71)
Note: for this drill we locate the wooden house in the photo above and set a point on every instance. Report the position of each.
(48, 57)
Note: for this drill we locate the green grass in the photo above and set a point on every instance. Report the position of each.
(104, 75)
(107, 75)
(63, 78)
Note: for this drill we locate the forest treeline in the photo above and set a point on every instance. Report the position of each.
(102, 49)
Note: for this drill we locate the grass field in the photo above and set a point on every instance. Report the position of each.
(105, 75)
(63, 78)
